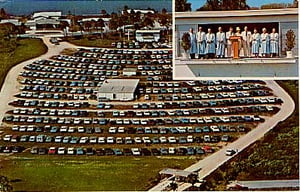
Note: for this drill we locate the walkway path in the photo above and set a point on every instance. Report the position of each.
(206, 166)
(11, 85)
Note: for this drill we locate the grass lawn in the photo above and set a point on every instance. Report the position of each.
(92, 43)
(53, 173)
(26, 49)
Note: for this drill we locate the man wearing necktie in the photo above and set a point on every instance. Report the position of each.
(210, 44)
(229, 43)
(221, 40)
(201, 43)
(246, 38)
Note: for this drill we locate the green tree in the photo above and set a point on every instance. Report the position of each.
(148, 20)
(217, 5)
(103, 12)
(3, 14)
(173, 186)
(63, 26)
(115, 22)
(193, 178)
(182, 6)
(5, 185)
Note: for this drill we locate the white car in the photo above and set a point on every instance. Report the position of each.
(172, 139)
(135, 151)
(101, 140)
(172, 150)
(110, 139)
(81, 129)
(137, 140)
(7, 137)
(61, 151)
(112, 130)
(93, 140)
(163, 139)
(230, 152)
(121, 130)
(71, 151)
(83, 140)
(190, 139)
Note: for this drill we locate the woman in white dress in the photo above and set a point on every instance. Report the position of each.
(274, 39)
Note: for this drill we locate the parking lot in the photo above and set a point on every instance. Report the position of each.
(57, 111)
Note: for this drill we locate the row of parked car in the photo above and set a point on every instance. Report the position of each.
(207, 103)
(98, 52)
(143, 113)
(52, 104)
(42, 138)
(11, 149)
(128, 130)
(68, 61)
(125, 151)
(145, 121)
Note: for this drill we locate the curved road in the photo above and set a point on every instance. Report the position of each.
(212, 162)
(11, 85)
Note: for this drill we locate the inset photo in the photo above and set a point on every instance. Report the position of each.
(236, 39)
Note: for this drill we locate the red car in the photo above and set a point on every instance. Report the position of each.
(52, 151)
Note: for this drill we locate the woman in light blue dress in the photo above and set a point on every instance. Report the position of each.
(255, 40)
(265, 43)
(274, 43)
(193, 49)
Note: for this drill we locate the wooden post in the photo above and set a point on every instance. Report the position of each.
(235, 46)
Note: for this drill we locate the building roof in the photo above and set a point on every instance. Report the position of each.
(130, 69)
(143, 11)
(237, 13)
(119, 86)
(48, 22)
(47, 14)
(16, 22)
(148, 31)
(96, 19)
(270, 184)
(175, 172)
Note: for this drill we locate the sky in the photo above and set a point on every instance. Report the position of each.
(252, 3)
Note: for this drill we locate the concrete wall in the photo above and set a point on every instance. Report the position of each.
(116, 96)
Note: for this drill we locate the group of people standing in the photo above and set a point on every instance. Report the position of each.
(210, 45)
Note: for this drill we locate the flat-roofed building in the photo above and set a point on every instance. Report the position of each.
(147, 35)
(16, 22)
(118, 89)
(47, 14)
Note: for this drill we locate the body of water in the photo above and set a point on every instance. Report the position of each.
(80, 7)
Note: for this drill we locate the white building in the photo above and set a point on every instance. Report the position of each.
(47, 14)
(147, 35)
(42, 20)
(16, 22)
(142, 11)
(118, 89)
